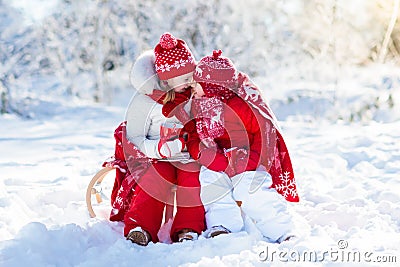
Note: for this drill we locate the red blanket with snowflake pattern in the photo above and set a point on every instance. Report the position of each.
(279, 164)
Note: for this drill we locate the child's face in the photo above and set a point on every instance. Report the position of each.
(180, 83)
(198, 91)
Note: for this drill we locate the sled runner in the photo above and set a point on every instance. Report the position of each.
(95, 188)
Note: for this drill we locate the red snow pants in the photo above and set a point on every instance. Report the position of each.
(153, 192)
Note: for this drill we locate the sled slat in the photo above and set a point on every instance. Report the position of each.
(91, 189)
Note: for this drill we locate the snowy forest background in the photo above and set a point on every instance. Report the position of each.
(82, 51)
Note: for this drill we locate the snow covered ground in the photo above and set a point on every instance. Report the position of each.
(347, 176)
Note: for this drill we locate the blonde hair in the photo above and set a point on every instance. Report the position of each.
(169, 96)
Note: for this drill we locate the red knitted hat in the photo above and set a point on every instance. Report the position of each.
(173, 57)
(216, 69)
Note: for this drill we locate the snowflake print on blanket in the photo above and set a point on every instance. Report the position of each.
(287, 187)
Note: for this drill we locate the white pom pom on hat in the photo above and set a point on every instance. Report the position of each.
(143, 75)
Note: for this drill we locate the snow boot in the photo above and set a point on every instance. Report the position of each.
(217, 230)
(288, 237)
(187, 234)
(139, 236)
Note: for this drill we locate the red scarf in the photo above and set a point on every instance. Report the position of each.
(208, 113)
(158, 96)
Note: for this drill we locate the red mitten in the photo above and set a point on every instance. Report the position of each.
(213, 159)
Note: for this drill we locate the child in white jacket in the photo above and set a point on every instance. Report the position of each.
(171, 65)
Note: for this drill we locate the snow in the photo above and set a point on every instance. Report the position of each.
(346, 173)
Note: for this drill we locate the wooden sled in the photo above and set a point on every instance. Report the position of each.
(95, 188)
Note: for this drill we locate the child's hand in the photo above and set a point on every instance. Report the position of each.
(198, 91)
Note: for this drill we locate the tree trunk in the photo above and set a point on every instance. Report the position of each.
(3, 99)
(386, 40)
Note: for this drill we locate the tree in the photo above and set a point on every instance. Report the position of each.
(14, 57)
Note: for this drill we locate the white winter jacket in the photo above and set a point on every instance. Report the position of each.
(144, 115)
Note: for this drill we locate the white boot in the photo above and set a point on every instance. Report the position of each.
(266, 207)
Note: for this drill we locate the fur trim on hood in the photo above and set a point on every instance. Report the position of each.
(143, 75)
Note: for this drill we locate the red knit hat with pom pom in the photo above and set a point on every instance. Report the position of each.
(216, 69)
(173, 57)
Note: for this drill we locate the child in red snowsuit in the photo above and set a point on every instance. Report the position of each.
(153, 165)
(237, 146)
